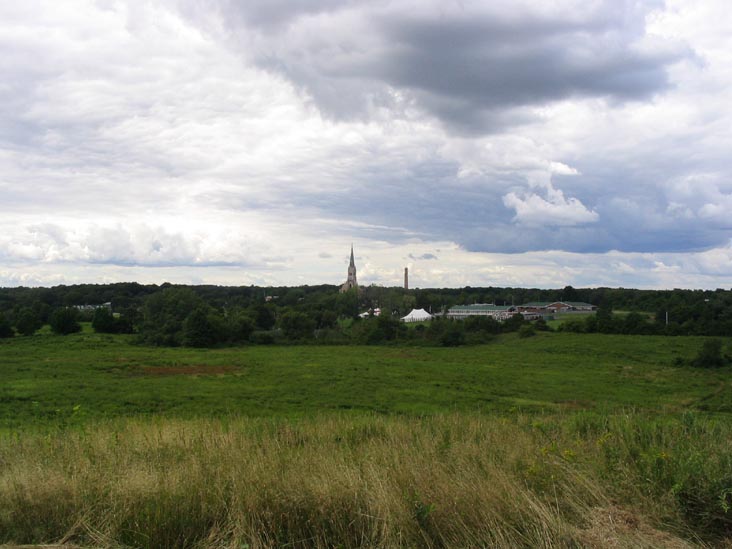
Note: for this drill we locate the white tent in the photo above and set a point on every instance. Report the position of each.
(417, 315)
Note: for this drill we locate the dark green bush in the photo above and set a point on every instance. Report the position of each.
(296, 325)
(527, 330)
(65, 321)
(199, 330)
(106, 323)
(710, 355)
(6, 330)
(28, 322)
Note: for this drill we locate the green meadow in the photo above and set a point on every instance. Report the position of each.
(47, 380)
(556, 440)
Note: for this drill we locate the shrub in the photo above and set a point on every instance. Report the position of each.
(453, 336)
(486, 324)
(541, 326)
(28, 322)
(296, 325)
(527, 330)
(710, 355)
(513, 323)
(65, 321)
(574, 325)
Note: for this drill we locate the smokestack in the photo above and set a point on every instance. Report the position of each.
(406, 278)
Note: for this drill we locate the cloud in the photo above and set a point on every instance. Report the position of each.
(555, 210)
(244, 140)
(425, 256)
(477, 67)
(134, 245)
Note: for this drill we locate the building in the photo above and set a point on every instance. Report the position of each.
(499, 312)
(371, 312)
(550, 307)
(107, 305)
(351, 281)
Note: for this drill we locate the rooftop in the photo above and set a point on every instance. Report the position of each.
(481, 307)
(540, 304)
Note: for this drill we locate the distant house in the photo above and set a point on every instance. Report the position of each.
(107, 305)
(371, 312)
(417, 315)
(499, 312)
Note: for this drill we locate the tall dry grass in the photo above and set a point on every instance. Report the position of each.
(336, 481)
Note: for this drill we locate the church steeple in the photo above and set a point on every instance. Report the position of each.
(351, 281)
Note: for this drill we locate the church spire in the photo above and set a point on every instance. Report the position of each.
(351, 281)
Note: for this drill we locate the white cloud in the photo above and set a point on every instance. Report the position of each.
(554, 210)
(562, 169)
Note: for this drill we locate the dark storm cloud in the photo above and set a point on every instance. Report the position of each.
(468, 71)
(473, 68)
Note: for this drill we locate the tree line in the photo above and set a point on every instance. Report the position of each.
(218, 315)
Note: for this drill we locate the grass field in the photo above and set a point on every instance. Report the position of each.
(47, 379)
(558, 440)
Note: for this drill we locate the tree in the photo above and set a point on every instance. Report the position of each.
(296, 325)
(65, 321)
(264, 316)
(634, 323)
(164, 313)
(104, 321)
(28, 322)
(347, 303)
(240, 327)
(569, 294)
(327, 319)
(199, 330)
(6, 330)
(605, 320)
(446, 332)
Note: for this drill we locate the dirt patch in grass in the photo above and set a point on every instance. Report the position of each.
(186, 370)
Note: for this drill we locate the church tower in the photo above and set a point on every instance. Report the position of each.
(351, 281)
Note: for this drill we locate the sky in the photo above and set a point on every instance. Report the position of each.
(481, 143)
